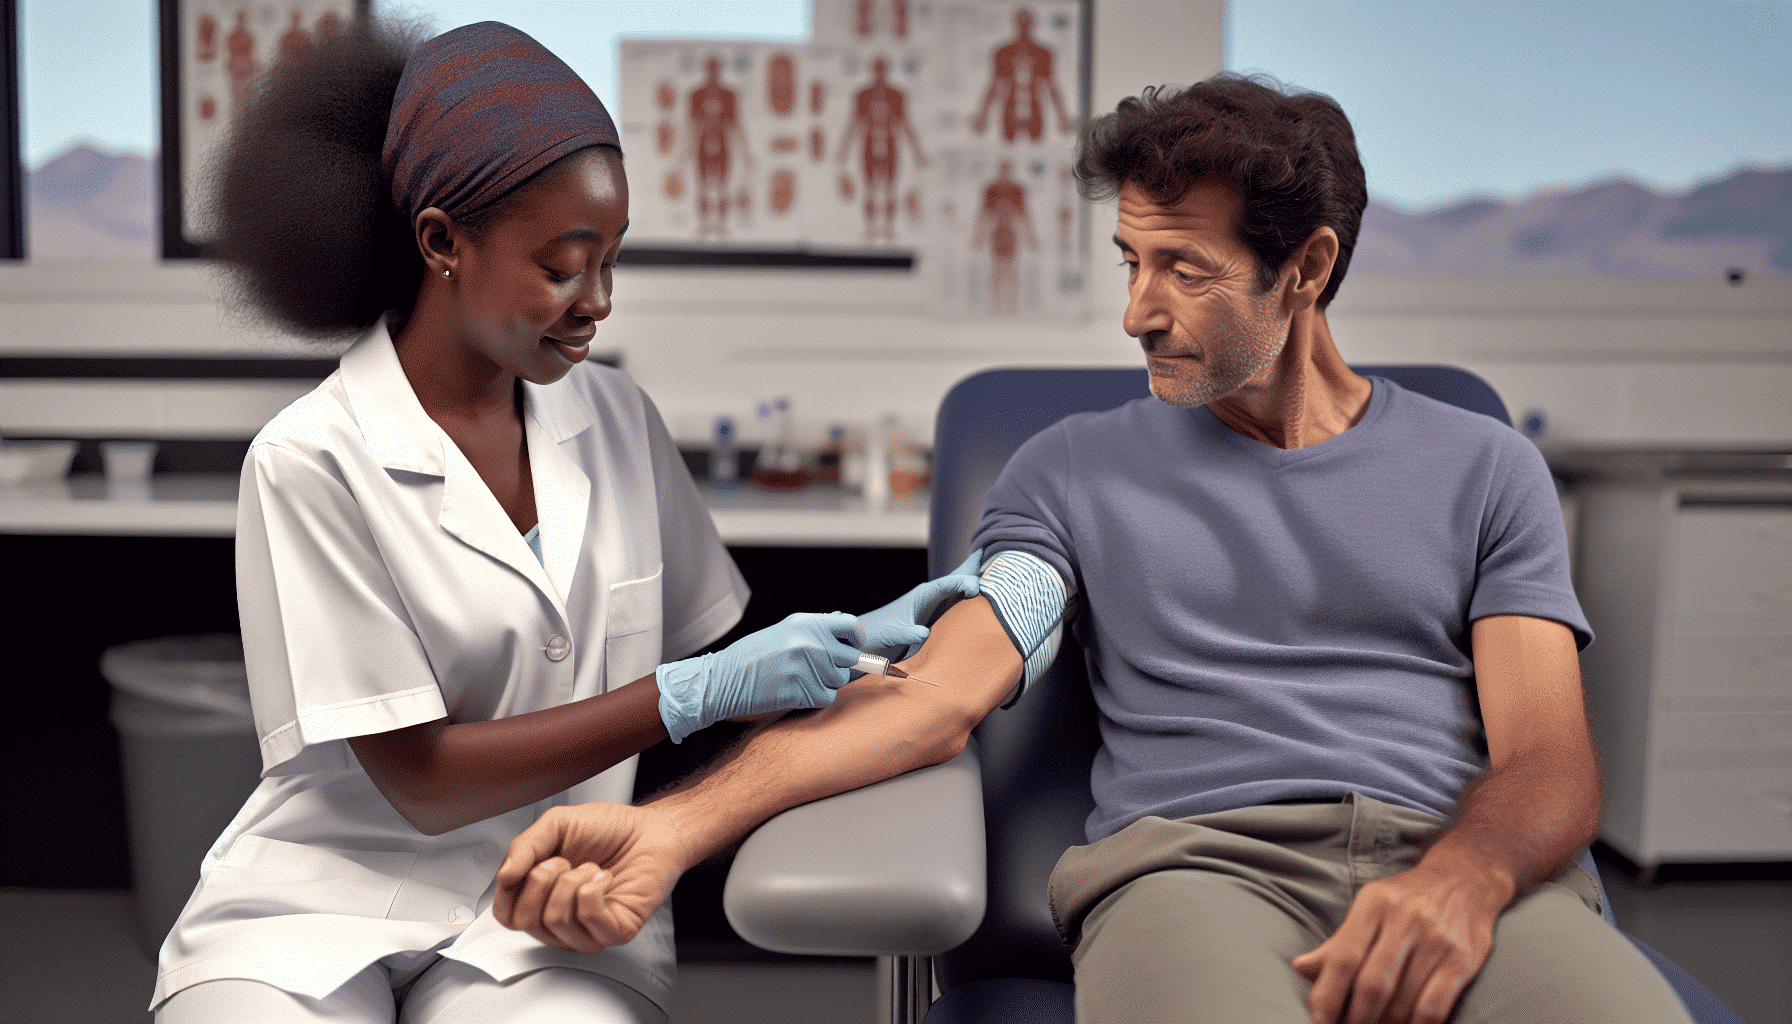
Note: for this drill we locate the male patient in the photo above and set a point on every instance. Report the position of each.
(1345, 766)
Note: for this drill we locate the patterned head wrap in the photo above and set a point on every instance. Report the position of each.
(479, 109)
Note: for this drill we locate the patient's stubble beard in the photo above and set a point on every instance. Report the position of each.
(1238, 347)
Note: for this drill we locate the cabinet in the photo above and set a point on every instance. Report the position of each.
(1688, 585)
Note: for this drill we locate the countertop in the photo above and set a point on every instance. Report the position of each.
(204, 505)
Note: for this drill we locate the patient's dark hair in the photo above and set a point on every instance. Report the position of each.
(1293, 155)
(303, 215)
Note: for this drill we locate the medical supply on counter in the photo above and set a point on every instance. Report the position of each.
(780, 465)
(26, 462)
(128, 463)
(872, 665)
(909, 471)
(831, 454)
(876, 471)
(724, 455)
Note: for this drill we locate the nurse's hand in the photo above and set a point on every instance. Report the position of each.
(798, 663)
(587, 877)
(896, 630)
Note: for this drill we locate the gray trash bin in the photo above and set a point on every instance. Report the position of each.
(187, 739)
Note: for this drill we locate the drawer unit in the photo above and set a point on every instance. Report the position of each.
(1733, 571)
(1726, 739)
(1716, 814)
(1688, 586)
(1727, 673)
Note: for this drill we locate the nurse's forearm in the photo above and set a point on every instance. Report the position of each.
(442, 776)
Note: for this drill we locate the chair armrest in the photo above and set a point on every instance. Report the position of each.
(893, 869)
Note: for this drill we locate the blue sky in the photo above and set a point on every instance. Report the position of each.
(79, 83)
(1450, 99)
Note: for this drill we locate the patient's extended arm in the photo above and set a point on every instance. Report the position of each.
(588, 876)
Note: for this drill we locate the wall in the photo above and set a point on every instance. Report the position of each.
(1609, 361)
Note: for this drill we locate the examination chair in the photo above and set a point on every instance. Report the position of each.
(900, 870)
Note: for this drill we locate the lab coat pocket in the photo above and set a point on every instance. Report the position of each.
(289, 878)
(632, 631)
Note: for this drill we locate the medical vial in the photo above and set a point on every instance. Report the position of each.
(780, 465)
(724, 455)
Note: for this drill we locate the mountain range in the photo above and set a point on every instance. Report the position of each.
(1614, 228)
(89, 205)
(85, 204)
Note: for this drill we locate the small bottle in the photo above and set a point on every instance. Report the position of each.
(852, 460)
(829, 457)
(877, 467)
(724, 459)
(907, 466)
(785, 457)
(780, 465)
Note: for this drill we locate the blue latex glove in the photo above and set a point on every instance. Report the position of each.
(798, 663)
(896, 630)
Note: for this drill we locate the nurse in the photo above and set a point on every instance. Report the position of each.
(469, 562)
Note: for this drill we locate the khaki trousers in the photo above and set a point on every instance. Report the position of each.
(1196, 920)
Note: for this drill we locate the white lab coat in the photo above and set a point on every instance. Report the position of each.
(381, 585)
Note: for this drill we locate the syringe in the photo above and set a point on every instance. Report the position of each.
(871, 664)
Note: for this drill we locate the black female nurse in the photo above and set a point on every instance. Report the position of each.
(469, 562)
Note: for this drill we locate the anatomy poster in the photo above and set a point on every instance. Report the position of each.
(942, 129)
(717, 137)
(223, 45)
(1007, 73)
(874, 22)
(1009, 233)
(877, 155)
(761, 145)
(1008, 236)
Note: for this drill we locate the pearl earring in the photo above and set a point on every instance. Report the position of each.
(447, 273)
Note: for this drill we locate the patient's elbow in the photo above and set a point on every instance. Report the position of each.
(927, 732)
(949, 735)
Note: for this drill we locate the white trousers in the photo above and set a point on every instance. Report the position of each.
(445, 992)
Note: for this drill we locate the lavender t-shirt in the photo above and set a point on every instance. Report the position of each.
(1265, 624)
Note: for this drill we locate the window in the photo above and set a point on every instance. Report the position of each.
(1629, 139)
(88, 129)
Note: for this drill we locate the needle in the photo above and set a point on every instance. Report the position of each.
(874, 665)
(900, 674)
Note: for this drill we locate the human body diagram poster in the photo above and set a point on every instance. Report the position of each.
(767, 146)
(945, 130)
(224, 44)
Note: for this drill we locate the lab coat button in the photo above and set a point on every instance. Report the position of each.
(558, 647)
(461, 915)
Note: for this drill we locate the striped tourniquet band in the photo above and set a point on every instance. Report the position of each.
(1029, 599)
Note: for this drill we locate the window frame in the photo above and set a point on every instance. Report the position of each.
(12, 162)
